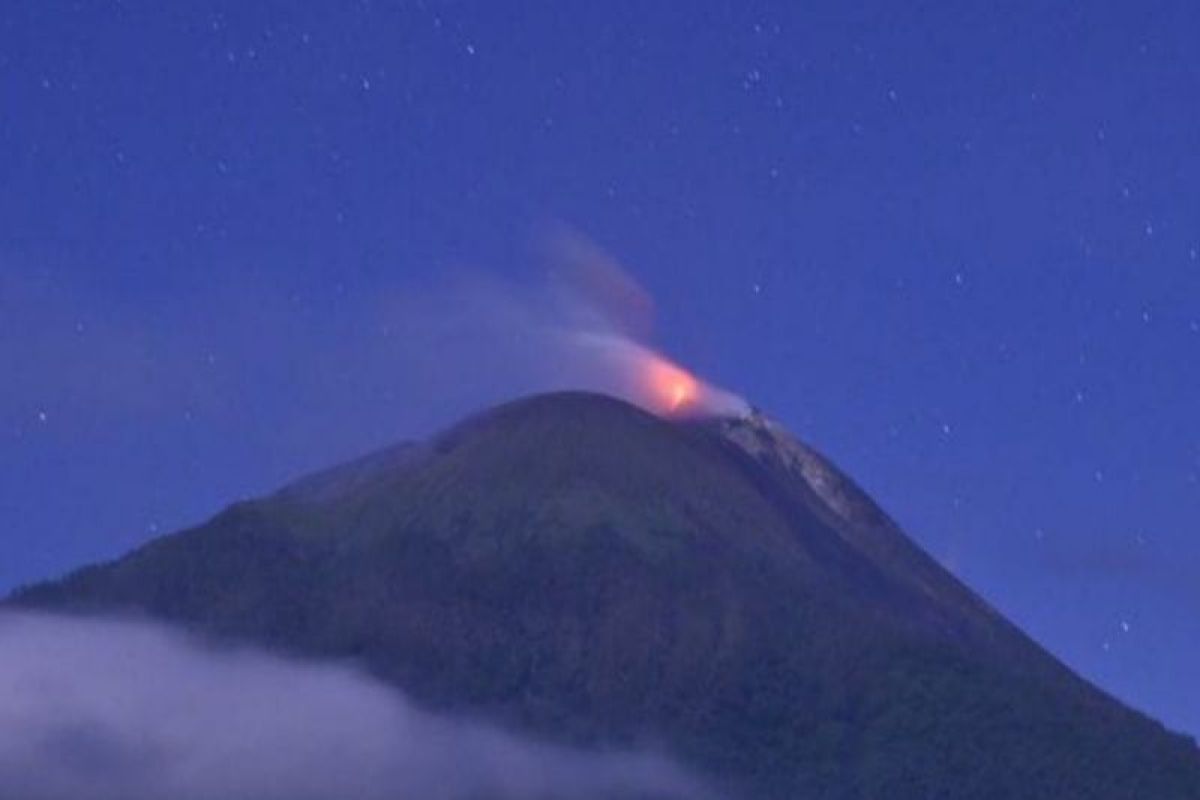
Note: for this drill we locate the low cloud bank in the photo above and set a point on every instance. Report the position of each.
(119, 710)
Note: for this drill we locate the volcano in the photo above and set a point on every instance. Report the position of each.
(573, 567)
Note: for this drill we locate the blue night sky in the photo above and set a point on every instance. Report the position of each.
(956, 248)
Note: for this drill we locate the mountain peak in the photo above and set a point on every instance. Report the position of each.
(571, 565)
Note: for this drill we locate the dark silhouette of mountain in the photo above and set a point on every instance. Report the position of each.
(575, 567)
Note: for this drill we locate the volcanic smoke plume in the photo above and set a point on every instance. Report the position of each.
(587, 326)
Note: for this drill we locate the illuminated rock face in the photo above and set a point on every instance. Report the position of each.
(573, 566)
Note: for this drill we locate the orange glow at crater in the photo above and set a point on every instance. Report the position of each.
(656, 383)
(673, 388)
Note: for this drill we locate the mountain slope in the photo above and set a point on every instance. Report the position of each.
(573, 566)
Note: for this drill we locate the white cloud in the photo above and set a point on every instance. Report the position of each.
(120, 710)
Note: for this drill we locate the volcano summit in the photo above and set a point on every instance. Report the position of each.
(573, 567)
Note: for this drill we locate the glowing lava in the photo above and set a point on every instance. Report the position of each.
(641, 375)
(673, 388)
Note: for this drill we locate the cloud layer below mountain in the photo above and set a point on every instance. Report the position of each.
(122, 710)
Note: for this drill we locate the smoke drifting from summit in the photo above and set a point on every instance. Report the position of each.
(371, 362)
(613, 327)
(639, 374)
(587, 324)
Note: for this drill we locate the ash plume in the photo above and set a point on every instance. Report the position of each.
(587, 324)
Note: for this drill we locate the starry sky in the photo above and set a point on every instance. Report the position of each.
(957, 248)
